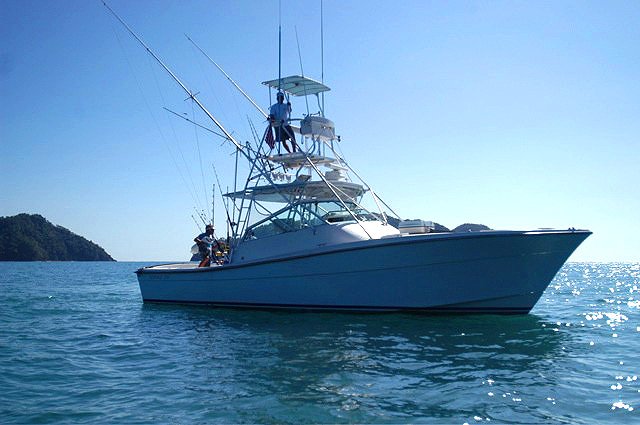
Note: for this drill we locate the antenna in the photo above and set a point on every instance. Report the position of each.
(279, 43)
(322, 51)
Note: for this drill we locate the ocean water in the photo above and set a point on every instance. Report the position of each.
(77, 345)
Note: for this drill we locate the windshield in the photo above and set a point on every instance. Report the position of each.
(307, 214)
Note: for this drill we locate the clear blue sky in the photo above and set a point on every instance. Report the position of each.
(518, 115)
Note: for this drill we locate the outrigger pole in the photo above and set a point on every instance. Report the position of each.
(177, 80)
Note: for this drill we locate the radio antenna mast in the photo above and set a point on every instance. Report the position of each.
(322, 51)
(279, 44)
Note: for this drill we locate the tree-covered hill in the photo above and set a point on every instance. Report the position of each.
(26, 237)
(471, 227)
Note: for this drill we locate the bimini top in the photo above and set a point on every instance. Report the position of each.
(297, 85)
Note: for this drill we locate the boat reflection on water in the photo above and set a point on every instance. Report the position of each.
(368, 361)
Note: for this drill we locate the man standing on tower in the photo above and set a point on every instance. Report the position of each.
(279, 117)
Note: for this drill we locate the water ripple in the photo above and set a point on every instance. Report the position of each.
(77, 345)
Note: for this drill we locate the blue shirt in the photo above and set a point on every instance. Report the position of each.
(280, 112)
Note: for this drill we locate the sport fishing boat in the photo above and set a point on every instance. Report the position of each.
(309, 233)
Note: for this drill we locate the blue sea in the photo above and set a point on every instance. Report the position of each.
(78, 345)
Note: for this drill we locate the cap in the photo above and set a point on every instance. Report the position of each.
(280, 94)
(210, 226)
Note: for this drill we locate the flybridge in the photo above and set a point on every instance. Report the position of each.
(317, 127)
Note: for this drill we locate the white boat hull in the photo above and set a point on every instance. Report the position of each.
(480, 272)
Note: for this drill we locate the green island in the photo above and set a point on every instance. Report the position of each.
(31, 237)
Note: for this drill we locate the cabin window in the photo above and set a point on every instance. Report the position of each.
(307, 214)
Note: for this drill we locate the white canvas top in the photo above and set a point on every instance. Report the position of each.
(297, 85)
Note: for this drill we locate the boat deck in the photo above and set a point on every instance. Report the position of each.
(179, 266)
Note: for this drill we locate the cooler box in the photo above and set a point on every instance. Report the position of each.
(317, 127)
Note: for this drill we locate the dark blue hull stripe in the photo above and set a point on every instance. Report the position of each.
(434, 310)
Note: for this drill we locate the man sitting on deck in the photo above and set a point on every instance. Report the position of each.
(279, 117)
(204, 242)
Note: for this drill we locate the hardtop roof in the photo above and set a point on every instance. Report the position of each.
(297, 85)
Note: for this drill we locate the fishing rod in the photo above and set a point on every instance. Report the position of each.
(197, 224)
(213, 219)
(226, 202)
(200, 216)
(229, 78)
(226, 208)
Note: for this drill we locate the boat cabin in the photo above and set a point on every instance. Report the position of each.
(310, 225)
